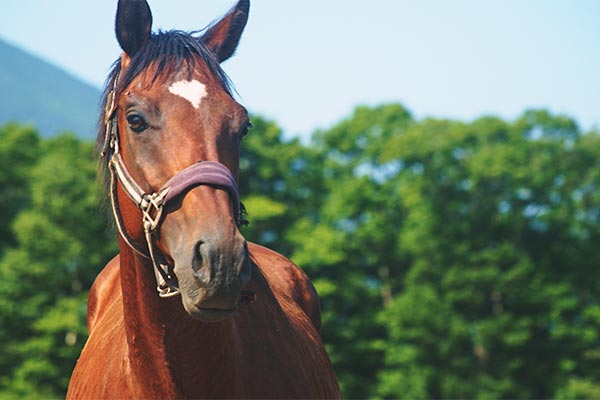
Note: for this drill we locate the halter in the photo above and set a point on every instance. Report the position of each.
(153, 205)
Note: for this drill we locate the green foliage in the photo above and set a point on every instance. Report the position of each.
(453, 260)
(277, 178)
(58, 242)
(18, 152)
(502, 253)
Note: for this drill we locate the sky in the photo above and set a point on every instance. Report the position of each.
(307, 64)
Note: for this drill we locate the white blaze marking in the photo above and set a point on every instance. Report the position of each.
(192, 91)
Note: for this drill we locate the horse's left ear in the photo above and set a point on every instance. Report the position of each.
(223, 37)
(133, 25)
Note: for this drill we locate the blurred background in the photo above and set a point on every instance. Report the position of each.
(431, 166)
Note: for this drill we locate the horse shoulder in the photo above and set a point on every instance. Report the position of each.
(286, 278)
(106, 287)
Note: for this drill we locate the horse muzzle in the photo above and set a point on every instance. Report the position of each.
(211, 277)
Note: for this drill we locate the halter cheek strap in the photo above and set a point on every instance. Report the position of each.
(152, 205)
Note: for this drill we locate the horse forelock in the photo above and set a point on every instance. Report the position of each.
(166, 53)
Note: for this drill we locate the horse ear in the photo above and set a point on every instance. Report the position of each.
(223, 37)
(133, 25)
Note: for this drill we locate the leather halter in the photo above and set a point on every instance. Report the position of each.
(153, 205)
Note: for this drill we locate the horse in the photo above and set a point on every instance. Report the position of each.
(189, 308)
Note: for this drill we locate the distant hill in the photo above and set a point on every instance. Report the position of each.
(35, 92)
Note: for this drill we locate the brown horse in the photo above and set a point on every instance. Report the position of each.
(229, 319)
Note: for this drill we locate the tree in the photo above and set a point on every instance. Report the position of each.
(61, 242)
(347, 246)
(499, 298)
(276, 177)
(19, 149)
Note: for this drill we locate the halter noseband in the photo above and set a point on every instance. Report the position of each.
(152, 205)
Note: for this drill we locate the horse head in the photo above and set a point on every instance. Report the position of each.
(172, 131)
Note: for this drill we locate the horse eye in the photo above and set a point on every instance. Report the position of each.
(137, 123)
(244, 131)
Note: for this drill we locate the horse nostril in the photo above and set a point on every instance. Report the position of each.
(197, 256)
(218, 266)
(199, 263)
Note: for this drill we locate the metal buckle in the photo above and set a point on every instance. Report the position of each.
(150, 201)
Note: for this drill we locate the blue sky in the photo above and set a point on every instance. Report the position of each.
(307, 64)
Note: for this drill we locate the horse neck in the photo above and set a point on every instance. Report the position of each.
(164, 342)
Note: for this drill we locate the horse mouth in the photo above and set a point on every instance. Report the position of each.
(214, 296)
(212, 314)
(208, 314)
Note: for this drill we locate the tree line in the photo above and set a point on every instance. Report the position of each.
(453, 259)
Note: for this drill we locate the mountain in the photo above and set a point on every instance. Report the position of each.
(35, 92)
